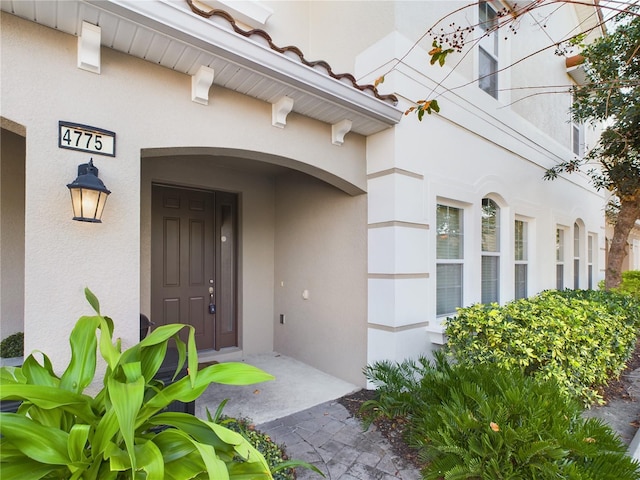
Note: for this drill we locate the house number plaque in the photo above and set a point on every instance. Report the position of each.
(86, 139)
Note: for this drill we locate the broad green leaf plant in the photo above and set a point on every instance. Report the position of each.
(123, 432)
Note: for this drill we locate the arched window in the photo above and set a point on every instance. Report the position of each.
(576, 256)
(560, 258)
(591, 243)
(490, 251)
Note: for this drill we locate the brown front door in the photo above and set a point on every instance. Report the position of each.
(194, 263)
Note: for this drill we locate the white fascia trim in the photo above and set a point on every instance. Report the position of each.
(178, 21)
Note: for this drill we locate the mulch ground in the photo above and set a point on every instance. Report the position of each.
(393, 429)
(618, 388)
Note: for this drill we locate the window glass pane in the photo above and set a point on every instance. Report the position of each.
(448, 288)
(487, 77)
(576, 240)
(520, 243)
(590, 279)
(576, 274)
(559, 245)
(490, 279)
(521, 280)
(449, 232)
(487, 16)
(490, 226)
(576, 139)
(590, 249)
(560, 277)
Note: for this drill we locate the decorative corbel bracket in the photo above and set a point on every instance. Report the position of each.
(89, 48)
(280, 110)
(339, 130)
(576, 70)
(200, 84)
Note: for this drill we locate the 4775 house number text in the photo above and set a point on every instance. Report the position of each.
(87, 139)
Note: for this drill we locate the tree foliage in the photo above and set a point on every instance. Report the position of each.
(611, 96)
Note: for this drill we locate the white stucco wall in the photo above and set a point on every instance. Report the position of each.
(475, 147)
(150, 110)
(368, 262)
(548, 111)
(321, 248)
(528, 58)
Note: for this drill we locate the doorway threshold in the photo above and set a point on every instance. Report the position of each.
(297, 386)
(231, 354)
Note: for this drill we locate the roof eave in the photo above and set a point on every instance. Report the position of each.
(175, 20)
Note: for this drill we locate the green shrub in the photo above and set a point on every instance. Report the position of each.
(630, 283)
(579, 338)
(274, 454)
(485, 422)
(123, 432)
(396, 387)
(12, 346)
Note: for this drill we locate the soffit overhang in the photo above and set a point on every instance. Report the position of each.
(170, 34)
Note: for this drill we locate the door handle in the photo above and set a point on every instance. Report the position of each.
(212, 303)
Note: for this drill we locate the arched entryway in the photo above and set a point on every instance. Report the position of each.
(194, 262)
(298, 262)
(12, 227)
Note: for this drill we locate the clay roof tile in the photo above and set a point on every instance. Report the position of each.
(290, 51)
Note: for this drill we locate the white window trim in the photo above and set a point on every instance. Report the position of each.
(502, 213)
(490, 45)
(592, 249)
(635, 248)
(526, 242)
(580, 129)
(578, 254)
(563, 259)
(457, 261)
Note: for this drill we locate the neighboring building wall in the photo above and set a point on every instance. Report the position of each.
(12, 156)
(634, 248)
(632, 259)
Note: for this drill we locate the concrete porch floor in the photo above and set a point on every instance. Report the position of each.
(297, 386)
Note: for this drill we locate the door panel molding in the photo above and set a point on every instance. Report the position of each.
(194, 240)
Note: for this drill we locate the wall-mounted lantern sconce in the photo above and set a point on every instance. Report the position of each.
(88, 194)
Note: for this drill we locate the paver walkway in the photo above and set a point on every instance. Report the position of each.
(328, 437)
(623, 415)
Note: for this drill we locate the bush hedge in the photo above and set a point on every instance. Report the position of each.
(274, 454)
(579, 338)
(485, 422)
(630, 283)
(12, 346)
